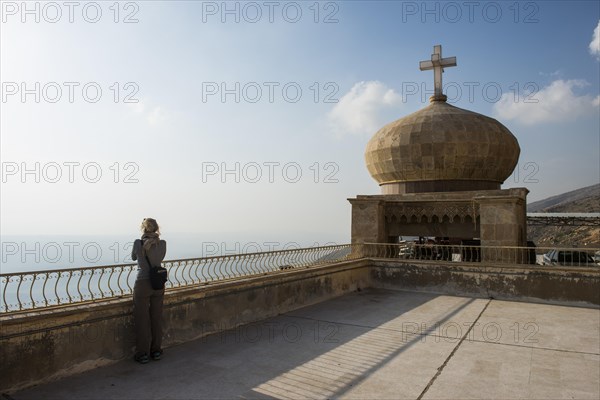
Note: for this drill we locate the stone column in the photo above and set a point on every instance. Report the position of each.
(503, 222)
(368, 220)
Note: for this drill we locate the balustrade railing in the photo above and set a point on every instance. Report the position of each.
(552, 256)
(25, 291)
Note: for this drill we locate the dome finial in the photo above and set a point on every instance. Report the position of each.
(437, 64)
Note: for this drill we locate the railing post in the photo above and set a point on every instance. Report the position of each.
(359, 250)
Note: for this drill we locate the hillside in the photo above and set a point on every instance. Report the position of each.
(586, 199)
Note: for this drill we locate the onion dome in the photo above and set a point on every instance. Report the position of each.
(441, 148)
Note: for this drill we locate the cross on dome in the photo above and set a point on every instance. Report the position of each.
(437, 64)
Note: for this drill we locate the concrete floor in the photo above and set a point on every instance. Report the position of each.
(375, 344)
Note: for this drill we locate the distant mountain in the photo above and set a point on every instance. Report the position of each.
(586, 199)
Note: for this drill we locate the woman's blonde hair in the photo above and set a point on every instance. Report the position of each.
(149, 225)
(151, 232)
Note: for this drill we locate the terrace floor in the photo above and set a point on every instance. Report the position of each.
(374, 344)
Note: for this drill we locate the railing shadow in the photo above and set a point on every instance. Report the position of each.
(321, 351)
(361, 356)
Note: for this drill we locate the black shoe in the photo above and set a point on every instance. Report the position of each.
(156, 355)
(141, 358)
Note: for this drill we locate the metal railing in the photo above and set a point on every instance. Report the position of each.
(554, 256)
(26, 291)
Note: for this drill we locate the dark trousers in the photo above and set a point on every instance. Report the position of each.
(147, 313)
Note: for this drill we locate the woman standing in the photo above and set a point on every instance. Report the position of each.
(147, 302)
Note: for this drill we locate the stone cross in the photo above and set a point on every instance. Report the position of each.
(437, 64)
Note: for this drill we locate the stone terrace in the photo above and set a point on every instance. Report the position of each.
(371, 344)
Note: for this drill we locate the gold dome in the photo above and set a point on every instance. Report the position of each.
(442, 148)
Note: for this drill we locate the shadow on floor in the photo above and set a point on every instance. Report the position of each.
(351, 346)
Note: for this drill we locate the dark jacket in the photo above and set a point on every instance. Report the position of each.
(156, 256)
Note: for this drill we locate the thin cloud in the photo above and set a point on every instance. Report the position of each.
(154, 115)
(595, 43)
(360, 111)
(137, 108)
(554, 74)
(556, 102)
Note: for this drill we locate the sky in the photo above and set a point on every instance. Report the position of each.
(252, 118)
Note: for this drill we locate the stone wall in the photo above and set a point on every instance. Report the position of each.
(45, 345)
(569, 286)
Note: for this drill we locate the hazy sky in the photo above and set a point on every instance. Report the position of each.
(254, 116)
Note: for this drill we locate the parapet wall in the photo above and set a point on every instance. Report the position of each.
(556, 285)
(45, 345)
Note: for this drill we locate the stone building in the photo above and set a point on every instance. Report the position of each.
(440, 171)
